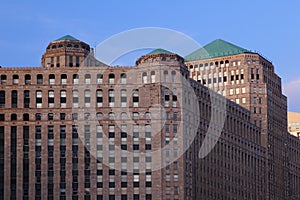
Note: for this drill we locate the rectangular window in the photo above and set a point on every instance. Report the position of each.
(2, 99)
(26, 99)
(111, 98)
(14, 99)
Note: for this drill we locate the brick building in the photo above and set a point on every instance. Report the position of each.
(77, 129)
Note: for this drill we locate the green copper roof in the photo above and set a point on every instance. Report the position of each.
(217, 48)
(66, 37)
(158, 51)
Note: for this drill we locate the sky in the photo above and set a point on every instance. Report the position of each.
(269, 27)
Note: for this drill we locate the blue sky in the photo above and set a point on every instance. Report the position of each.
(270, 27)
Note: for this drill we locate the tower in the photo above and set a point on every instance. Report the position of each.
(249, 79)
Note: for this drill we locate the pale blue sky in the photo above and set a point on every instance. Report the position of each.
(270, 27)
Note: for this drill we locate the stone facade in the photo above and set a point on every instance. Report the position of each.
(77, 129)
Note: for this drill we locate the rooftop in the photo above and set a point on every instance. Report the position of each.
(158, 51)
(217, 48)
(66, 37)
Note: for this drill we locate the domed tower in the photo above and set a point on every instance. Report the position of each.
(65, 52)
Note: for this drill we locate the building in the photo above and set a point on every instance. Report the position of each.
(294, 123)
(249, 79)
(75, 128)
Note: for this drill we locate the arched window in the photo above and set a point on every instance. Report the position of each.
(123, 116)
(99, 78)
(51, 79)
(144, 77)
(123, 78)
(173, 76)
(99, 115)
(54, 47)
(39, 79)
(13, 117)
(3, 79)
(111, 78)
(165, 76)
(75, 78)
(15, 79)
(87, 79)
(87, 116)
(152, 76)
(63, 78)
(111, 116)
(27, 79)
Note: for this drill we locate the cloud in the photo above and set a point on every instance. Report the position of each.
(292, 91)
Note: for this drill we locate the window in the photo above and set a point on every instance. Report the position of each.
(25, 117)
(111, 78)
(15, 79)
(38, 116)
(27, 79)
(111, 116)
(3, 78)
(123, 116)
(135, 98)
(63, 79)
(87, 98)
(87, 79)
(51, 79)
(2, 99)
(63, 98)
(243, 100)
(75, 79)
(144, 77)
(26, 99)
(148, 115)
(135, 116)
(99, 97)
(51, 98)
(123, 98)
(243, 90)
(165, 76)
(50, 116)
(39, 99)
(62, 116)
(14, 99)
(13, 117)
(70, 61)
(99, 78)
(152, 77)
(111, 98)
(123, 78)
(39, 79)
(77, 60)
(173, 76)
(99, 116)
(75, 98)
